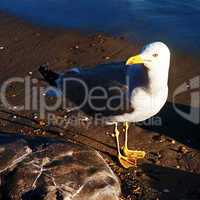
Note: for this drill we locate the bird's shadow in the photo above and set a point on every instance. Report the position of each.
(173, 183)
(174, 125)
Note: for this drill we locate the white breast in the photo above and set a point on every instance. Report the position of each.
(145, 105)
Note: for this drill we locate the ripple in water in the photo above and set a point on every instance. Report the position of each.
(174, 22)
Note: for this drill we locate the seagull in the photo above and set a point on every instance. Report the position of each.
(123, 92)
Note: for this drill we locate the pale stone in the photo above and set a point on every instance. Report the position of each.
(58, 171)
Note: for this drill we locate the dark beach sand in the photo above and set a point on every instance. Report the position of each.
(169, 172)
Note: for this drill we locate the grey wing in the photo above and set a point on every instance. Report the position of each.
(100, 90)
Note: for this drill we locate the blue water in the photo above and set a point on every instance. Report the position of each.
(176, 22)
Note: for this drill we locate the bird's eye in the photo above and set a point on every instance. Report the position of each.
(155, 55)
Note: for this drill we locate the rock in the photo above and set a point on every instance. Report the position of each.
(166, 190)
(61, 134)
(58, 171)
(157, 137)
(191, 160)
(173, 142)
(12, 153)
(182, 150)
(30, 73)
(107, 57)
(35, 116)
(154, 157)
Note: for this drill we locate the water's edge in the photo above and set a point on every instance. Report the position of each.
(174, 23)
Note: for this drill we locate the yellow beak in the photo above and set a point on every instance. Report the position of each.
(134, 60)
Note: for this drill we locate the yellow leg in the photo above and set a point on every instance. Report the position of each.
(130, 153)
(124, 161)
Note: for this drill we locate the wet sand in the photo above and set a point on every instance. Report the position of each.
(169, 172)
(26, 47)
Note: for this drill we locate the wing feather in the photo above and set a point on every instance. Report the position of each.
(107, 86)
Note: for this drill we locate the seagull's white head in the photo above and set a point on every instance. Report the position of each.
(155, 56)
